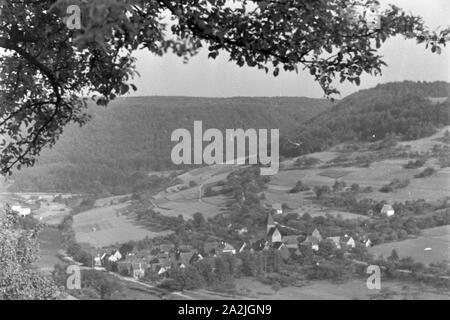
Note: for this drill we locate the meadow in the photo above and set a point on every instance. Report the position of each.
(438, 239)
(355, 289)
(109, 225)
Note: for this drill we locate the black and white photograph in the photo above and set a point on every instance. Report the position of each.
(236, 152)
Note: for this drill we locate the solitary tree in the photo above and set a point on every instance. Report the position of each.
(54, 51)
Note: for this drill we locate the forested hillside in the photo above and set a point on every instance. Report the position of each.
(133, 135)
(407, 109)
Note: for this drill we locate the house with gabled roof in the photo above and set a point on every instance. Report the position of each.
(259, 245)
(274, 235)
(351, 242)
(291, 242)
(161, 270)
(312, 241)
(195, 258)
(277, 208)
(226, 248)
(21, 211)
(135, 267)
(244, 246)
(317, 234)
(387, 210)
(115, 256)
(138, 270)
(182, 259)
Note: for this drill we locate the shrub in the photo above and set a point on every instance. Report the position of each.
(299, 187)
(192, 183)
(425, 173)
(414, 164)
(394, 185)
(306, 162)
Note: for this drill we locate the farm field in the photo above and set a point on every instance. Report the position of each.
(188, 208)
(109, 225)
(49, 245)
(208, 174)
(438, 239)
(111, 200)
(317, 211)
(301, 203)
(323, 156)
(378, 174)
(351, 290)
(51, 213)
(424, 144)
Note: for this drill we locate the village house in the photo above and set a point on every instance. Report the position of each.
(195, 258)
(313, 240)
(134, 267)
(317, 235)
(336, 241)
(21, 211)
(166, 247)
(160, 270)
(243, 247)
(259, 245)
(210, 248)
(225, 248)
(274, 235)
(277, 208)
(182, 258)
(387, 210)
(115, 256)
(242, 231)
(138, 270)
(351, 243)
(291, 242)
(98, 261)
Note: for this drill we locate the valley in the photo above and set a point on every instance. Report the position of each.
(307, 232)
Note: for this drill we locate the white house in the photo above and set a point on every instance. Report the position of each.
(277, 208)
(368, 243)
(351, 242)
(163, 270)
(274, 235)
(116, 256)
(21, 211)
(387, 210)
(226, 248)
(138, 271)
(242, 231)
(97, 261)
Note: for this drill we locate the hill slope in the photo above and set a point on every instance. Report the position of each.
(406, 109)
(133, 134)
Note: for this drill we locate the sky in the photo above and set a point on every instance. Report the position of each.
(205, 77)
